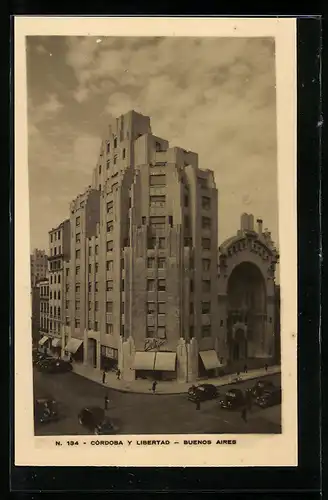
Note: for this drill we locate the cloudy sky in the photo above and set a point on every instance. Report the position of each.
(214, 96)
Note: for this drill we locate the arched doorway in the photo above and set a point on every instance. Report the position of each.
(246, 296)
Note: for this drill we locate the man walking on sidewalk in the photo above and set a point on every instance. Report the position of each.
(118, 374)
(245, 368)
(104, 377)
(153, 387)
(106, 402)
(266, 367)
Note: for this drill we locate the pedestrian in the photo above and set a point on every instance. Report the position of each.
(198, 404)
(245, 369)
(244, 414)
(266, 367)
(104, 377)
(153, 387)
(106, 402)
(118, 374)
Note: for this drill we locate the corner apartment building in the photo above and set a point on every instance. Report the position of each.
(142, 276)
(38, 266)
(59, 254)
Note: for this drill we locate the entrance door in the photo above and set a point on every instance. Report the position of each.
(92, 352)
(240, 345)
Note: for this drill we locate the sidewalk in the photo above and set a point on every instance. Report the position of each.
(165, 387)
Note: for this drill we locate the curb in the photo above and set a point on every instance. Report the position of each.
(234, 382)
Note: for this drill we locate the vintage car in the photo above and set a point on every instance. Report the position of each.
(94, 419)
(269, 397)
(45, 410)
(233, 400)
(202, 392)
(55, 366)
(261, 386)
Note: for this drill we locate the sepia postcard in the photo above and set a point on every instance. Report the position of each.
(155, 242)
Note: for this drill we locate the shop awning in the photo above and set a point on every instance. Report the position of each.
(165, 361)
(144, 360)
(210, 359)
(56, 342)
(73, 345)
(43, 340)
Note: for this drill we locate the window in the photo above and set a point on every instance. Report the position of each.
(89, 269)
(109, 328)
(171, 220)
(109, 245)
(161, 285)
(150, 331)
(108, 147)
(206, 223)
(50, 295)
(151, 307)
(108, 164)
(191, 285)
(96, 267)
(77, 305)
(206, 331)
(77, 271)
(89, 288)
(206, 243)
(96, 249)
(206, 307)
(109, 206)
(157, 222)
(186, 222)
(115, 159)
(206, 202)
(67, 304)
(96, 306)
(51, 310)
(90, 305)
(51, 238)
(67, 272)
(78, 237)
(55, 295)
(157, 180)
(206, 264)
(151, 243)
(78, 254)
(99, 169)
(96, 286)
(161, 307)
(115, 142)
(157, 201)
(151, 285)
(58, 294)
(161, 243)
(58, 278)
(96, 326)
(59, 235)
(55, 251)
(150, 262)
(221, 322)
(55, 278)
(109, 285)
(191, 308)
(109, 307)
(123, 153)
(158, 146)
(161, 332)
(186, 200)
(90, 251)
(161, 263)
(90, 325)
(77, 288)
(77, 323)
(51, 279)
(122, 263)
(202, 182)
(122, 285)
(206, 286)
(110, 227)
(78, 221)
(109, 265)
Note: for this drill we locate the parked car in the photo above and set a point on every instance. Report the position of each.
(261, 386)
(233, 400)
(94, 419)
(56, 366)
(269, 398)
(203, 392)
(45, 410)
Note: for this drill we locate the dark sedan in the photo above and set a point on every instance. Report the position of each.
(269, 398)
(94, 419)
(261, 386)
(203, 392)
(233, 400)
(45, 410)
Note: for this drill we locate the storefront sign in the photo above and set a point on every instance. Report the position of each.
(153, 344)
(109, 352)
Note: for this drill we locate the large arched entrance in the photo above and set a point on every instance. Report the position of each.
(246, 294)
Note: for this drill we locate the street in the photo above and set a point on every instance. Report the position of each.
(148, 414)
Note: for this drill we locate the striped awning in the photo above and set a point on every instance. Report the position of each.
(43, 340)
(144, 360)
(210, 359)
(165, 361)
(73, 345)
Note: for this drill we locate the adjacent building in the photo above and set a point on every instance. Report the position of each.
(43, 294)
(247, 294)
(38, 266)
